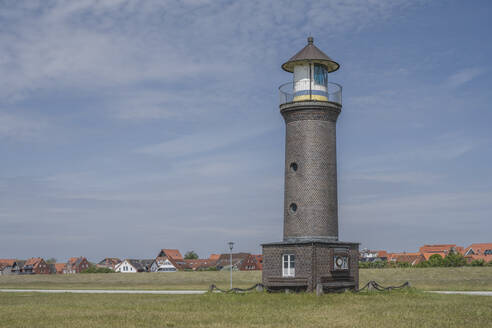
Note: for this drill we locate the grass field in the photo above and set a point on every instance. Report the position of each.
(409, 308)
(466, 278)
(406, 308)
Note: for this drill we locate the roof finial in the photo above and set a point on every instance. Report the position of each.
(310, 40)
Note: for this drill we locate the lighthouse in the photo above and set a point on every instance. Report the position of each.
(310, 256)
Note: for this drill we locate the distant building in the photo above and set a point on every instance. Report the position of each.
(410, 258)
(109, 263)
(224, 261)
(60, 268)
(214, 257)
(251, 263)
(165, 264)
(479, 251)
(442, 249)
(6, 266)
(36, 265)
(134, 266)
(200, 264)
(173, 253)
(76, 265)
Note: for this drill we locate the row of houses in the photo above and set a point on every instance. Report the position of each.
(167, 260)
(477, 251)
(37, 265)
(171, 260)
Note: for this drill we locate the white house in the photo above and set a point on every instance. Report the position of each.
(125, 267)
(163, 264)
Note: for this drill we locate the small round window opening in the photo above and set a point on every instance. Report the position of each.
(293, 166)
(293, 208)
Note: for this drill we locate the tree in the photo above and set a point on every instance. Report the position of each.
(51, 260)
(454, 259)
(191, 255)
(436, 260)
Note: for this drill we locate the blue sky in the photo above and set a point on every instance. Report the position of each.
(128, 126)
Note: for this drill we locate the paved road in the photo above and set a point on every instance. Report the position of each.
(96, 291)
(463, 293)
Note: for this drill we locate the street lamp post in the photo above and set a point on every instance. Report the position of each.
(231, 246)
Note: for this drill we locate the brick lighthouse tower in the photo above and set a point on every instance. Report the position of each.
(310, 255)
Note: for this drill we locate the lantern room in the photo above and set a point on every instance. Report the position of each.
(310, 68)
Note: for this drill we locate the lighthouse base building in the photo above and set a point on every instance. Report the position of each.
(314, 265)
(310, 257)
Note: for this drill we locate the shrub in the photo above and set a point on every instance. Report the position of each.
(94, 269)
(424, 264)
(403, 264)
(373, 265)
(435, 260)
(479, 262)
(454, 260)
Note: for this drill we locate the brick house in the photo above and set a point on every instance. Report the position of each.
(442, 249)
(6, 266)
(76, 265)
(60, 268)
(252, 262)
(36, 265)
(479, 251)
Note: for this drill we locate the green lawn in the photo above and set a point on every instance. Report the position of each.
(406, 308)
(409, 308)
(466, 278)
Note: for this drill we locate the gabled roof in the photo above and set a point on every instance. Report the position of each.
(382, 254)
(76, 260)
(141, 265)
(441, 248)
(33, 261)
(7, 262)
(225, 260)
(214, 256)
(110, 260)
(310, 53)
(480, 251)
(174, 253)
(175, 263)
(60, 267)
(200, 263)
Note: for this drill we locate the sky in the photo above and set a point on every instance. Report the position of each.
(129, 126)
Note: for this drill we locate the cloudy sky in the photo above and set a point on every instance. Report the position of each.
(127, 126)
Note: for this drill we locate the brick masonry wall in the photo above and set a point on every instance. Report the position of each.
(313, 261)
(311, 145)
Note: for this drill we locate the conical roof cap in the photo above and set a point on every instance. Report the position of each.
(310, 53)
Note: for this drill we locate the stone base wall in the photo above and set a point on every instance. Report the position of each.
(314, 264)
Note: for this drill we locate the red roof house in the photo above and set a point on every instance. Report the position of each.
(36, 265)
(479, 251)
(174, 253)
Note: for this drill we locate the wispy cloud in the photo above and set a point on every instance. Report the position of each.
(201, 143)
(18, 127)
(464, 76)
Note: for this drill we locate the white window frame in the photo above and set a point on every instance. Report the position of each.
(288, 265)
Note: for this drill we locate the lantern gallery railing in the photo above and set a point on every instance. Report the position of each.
(303, 90)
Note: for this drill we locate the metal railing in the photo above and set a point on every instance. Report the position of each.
(305, 91)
